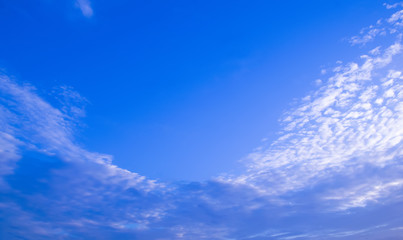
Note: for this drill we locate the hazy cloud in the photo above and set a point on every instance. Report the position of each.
(85, 7)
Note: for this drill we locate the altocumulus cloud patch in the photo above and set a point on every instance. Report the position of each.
(334, 171)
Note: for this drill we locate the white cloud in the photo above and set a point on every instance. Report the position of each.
(354, 120)
(395, 5)
(367, 35)
(48, 130)
(85, 7)
(318, 82)
(381, 28)
(361, 195)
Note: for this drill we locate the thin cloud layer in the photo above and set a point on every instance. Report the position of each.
(334, 172)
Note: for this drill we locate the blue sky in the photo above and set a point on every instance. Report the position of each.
(174, 84)
(201, 120)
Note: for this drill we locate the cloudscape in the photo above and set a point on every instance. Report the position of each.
(134, 120)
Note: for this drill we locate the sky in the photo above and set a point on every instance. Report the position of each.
(201, 119)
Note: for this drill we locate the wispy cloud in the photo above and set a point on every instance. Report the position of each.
(382, 27)
(85, 7)
(361, 195)
(395, 5)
